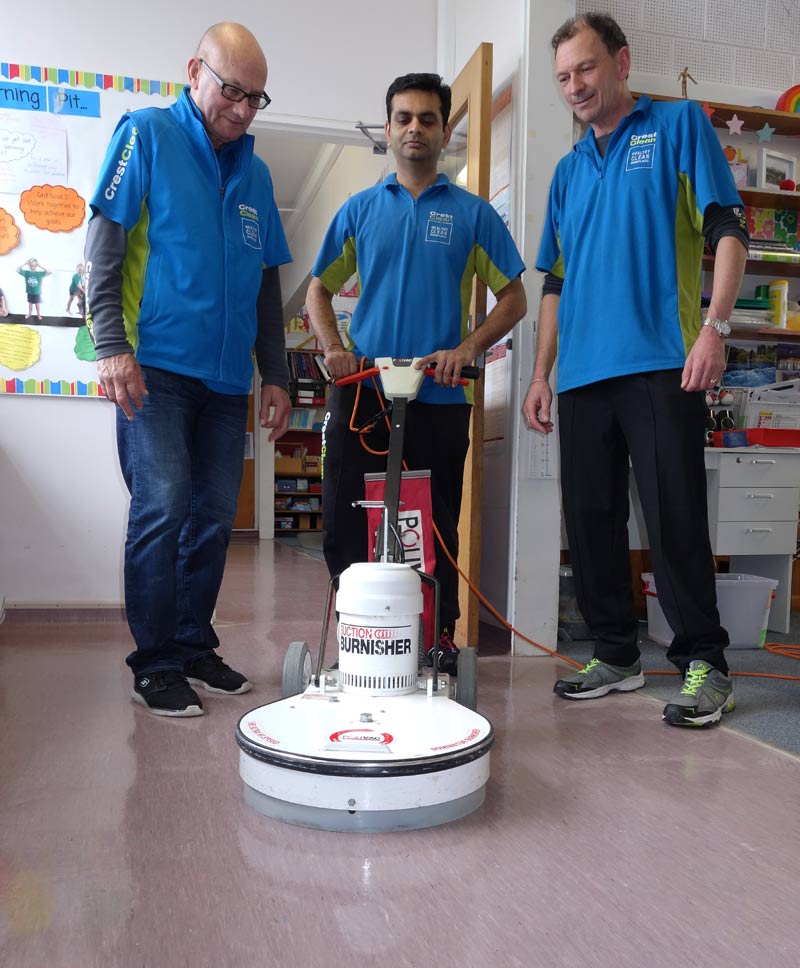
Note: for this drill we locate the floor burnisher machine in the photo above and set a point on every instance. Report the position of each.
(371, 743)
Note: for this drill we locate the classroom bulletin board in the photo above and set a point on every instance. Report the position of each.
(55, 125)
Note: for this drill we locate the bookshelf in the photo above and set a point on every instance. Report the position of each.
(298, 472)
(298, 494)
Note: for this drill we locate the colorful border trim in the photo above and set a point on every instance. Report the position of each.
(89, 79)
(51, 388)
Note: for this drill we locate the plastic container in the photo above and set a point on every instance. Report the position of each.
(570, 621)
(379, 605)
(779, 301)
(743, 602)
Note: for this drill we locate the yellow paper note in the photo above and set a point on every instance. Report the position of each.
(20, 346)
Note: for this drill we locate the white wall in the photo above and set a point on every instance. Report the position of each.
(352, 170)
(63, 512)
(64, 505)
(738, 51)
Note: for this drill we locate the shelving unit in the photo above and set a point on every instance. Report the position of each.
(301, 506)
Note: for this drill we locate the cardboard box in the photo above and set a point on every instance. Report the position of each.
(288, 465)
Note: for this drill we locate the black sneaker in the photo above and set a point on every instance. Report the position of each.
(167, 694)
(211, 673)
(447, 651)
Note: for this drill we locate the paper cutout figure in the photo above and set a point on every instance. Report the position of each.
(765, 133)
(84, 346)
(9, 232)
(55, 208)
(3, 306)
(735, 125)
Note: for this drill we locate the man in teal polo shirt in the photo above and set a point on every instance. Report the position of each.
(182, 256)
(629, 211)
(415, 242)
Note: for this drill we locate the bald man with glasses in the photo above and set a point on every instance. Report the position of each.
(182, 256)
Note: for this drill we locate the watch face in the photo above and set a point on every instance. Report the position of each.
(724, 328)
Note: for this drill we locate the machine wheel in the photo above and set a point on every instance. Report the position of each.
(296, 669)
(467, 681)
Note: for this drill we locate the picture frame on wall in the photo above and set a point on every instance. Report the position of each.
(775, 167)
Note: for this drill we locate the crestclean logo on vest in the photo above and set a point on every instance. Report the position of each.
(122, 165)
(641, 149)
(250, 228)
(439, 227)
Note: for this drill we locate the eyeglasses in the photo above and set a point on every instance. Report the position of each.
(234, 93)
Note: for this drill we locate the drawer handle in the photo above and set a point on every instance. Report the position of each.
(762, 460)
(758, 530)
(770, 496)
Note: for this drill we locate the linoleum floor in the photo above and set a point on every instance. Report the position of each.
(607, 839)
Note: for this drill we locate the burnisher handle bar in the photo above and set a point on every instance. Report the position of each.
(467, 373)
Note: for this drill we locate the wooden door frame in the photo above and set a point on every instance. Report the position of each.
(472, 96)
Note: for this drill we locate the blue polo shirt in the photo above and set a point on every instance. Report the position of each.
(415, 260)
(625, 232)
(201, 226)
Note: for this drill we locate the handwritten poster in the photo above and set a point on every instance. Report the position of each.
(55, 126)
(32, 150)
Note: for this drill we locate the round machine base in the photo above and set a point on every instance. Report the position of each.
(363, 821)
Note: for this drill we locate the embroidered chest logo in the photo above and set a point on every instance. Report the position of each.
(439, 227)
(641, 149)
(251, 230)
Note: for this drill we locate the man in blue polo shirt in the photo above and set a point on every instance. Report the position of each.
(182, 257)
(629, 211)
(415, 241)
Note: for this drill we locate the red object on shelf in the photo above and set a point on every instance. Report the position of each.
(765, 436)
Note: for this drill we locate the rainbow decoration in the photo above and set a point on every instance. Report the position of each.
(89, 79)
(51, 388)
(790, 100)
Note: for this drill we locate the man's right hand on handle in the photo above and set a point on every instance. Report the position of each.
(340, 362)
(122, 382)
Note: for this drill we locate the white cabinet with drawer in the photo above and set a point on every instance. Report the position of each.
(753, 495)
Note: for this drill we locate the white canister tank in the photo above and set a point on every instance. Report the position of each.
(379, 605)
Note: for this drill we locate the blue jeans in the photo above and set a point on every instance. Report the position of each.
(181, 457)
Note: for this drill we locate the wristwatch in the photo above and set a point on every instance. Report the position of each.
(722, 326)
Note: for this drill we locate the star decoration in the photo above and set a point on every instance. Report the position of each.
(708, 109)
(765, 133)
(735, 125)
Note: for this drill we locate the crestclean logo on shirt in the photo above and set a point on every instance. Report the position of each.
(439, 227)
(641, 150)
(250, 228)
(122, 165)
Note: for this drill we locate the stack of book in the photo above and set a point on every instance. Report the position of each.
(772, 250)
(306, 380)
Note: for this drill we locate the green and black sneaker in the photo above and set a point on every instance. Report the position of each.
(705, 696)
(597, 679)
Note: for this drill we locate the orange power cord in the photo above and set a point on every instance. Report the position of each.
(777, 648)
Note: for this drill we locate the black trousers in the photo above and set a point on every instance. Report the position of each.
(436, 439)
(646, 417)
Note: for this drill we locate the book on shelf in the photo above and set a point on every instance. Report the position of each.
(323, 369)
(305, 418)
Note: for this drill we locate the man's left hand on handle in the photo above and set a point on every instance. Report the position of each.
(448, 365)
